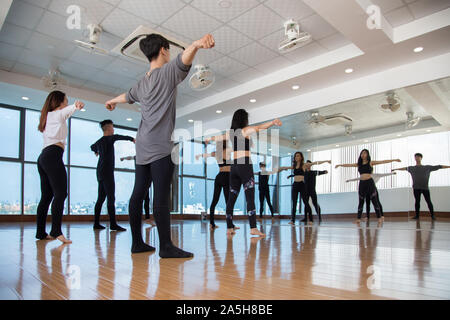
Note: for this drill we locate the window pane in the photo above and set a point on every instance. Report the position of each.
(83, 191)
(285, 200)
(83, 134)
(191, 166)
(33, 138)
(10, 188)
(124, 149)
(212, 167)
(124, 188)
(193, 196)
(285, 162)
(10, 132)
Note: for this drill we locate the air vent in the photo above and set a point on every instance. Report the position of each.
(129, 47)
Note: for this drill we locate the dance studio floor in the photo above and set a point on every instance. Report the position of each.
(336, 260)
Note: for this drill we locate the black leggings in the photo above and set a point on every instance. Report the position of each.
(299, 187)
(264, 194)
(53, 187)
(426, 195)
(160, 173)
(368, 205)
(222, 181)
(106, 190)
(242, 174)
(313, 195)
(147, 205)
(368, 189)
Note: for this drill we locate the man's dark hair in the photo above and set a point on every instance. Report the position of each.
(152, 44)
(262, 164)
(104, 123)
(418, 155)
(309, 161)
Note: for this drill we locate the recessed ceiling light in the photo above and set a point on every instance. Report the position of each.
(190, 120)
(252, 100)
(349, 70)
(429, 130)
(289, 154)
(337, 145)
(25, 98)
(295, 87)
(418, 49)
(309, 150)
(225, 4)
(219, 111)
(129, 119)
(399, 135)
(366, 141)
(83, 110)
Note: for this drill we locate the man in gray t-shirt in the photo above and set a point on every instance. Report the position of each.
(156, 92)
(421, 175)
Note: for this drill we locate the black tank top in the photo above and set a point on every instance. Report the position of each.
(299, 171)
(237, 141)
(365, 168)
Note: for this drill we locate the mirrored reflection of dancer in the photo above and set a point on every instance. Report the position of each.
(299, 168)
(242, 168)
(263, 187)
(147, 196)
(156, 92)
(367, 184)
(376, 177)
(420, 175)
(310, 182)
(222, 180)
(52, 171)
(104, 149)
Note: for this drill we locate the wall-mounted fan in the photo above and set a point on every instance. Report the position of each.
(392, 103)
(317, 120)
(53, 80)
(294, 37)
(94, 37)
(202, 79)
(411, 120)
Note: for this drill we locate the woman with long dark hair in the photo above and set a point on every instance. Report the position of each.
(222, 181)
(299, 187)
(242, 169)
(50, 163)
(367, 186)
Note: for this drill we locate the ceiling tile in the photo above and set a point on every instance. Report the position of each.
(54, 25)
(155, 11)
(273, 65)
(39, 60)
(228, 39)
(29, 70)
(224, 84)
(123, 67)
(423, 8)
(72, 81)
(24, 15)
(10, 52)
(122, 23)
(91, 11)
(113, 2)
(185, 99)
(169, 33)
(253, 54)
(272, 41)
(334, 41)
(290, 9)
(227, 66)
(39, 3)
(246, 75)
(399, 16)
(110, 79)
(310, 51)
(224, 14)
(206, 56)
(15, 35)
(317, 27)
(91, 59)
(77, 70)
(258, 22)
(191, 23)
(388, 5)
(101, 88)
(6, 64)
(50, 46)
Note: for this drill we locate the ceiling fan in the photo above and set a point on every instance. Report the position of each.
(94, 37)
(317, 119)
(53, 79)
(202, 79)
(392, 103)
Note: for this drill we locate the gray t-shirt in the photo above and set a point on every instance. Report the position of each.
(421, 175)
(157, 94)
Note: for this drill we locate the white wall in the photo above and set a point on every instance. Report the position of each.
(393, 200)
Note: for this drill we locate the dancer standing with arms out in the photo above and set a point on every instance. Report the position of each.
(421, 176)
(222, 181)
(104, 149)
(147, 196)
(263, 186)
(376, 177)
(156, 92)
(310, 183)
(299, 166)
(367, 184)
(52, 171)
(242, 168)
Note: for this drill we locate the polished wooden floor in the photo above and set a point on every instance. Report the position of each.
(334, 260)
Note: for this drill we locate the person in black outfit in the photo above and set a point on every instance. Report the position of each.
(310, 182)
(104, 149)
(264, 191)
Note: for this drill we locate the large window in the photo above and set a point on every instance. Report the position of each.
(125, 149)
(10, 132)
(194, 195)
(82, 135)
(10, 202)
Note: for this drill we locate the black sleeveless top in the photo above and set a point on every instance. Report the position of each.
(299, 171)
(365, 168)
(238, 138)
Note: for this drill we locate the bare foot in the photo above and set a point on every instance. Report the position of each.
(256, 232)
(212, 228)
(63, 239)
(148, 221)
(49, 238)
(236, 228)
(254, 240)
(365, 219)
(310, 223)
(230, 231)
(382, 218)
(357, 221)
(292, 222)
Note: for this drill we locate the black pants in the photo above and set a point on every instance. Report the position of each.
(53, 187)
(222, 182)
(299, 187)
(160, 173)
(106, 190)
(264, 194)
(313, 195)
(242, 174)
(368, 189)
(147, 205)
(426, 195)
(368, 205)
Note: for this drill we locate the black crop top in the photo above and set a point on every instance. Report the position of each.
(299, 171)
(238, 140)
(365, 168)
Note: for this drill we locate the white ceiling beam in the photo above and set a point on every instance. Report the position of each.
(4, 9)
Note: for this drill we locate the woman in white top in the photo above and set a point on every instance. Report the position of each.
(51, 168)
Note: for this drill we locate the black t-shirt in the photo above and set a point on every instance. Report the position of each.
(263, 181)
(310, 178)
(105, 149)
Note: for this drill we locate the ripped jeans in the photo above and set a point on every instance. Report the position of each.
(242, 174)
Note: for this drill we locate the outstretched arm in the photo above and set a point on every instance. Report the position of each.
(207, 42)
(309, 165)
(347, 165)
(248, 131)
(400, 169)
(221, 137)
(118, 137)
(445, 167)
(374, 163)
(351, 180)
(111, 104)
(127, 158)
(205, 155)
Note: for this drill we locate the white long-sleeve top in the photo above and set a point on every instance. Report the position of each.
(56, 127)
